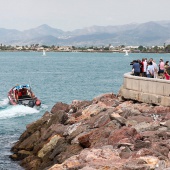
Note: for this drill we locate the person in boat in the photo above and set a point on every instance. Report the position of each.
(32, 94)
(20, 94)
(16, 94)
(24, 91)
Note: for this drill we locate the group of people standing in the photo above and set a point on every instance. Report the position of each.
(149, 68)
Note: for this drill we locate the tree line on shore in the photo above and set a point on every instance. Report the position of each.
(109, 48)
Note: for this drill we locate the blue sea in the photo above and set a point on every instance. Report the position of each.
(56, 77)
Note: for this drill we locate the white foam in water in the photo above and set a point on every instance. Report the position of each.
(43, 106)
(4, 102)
(17, 111)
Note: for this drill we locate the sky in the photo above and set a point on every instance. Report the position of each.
(69, 15)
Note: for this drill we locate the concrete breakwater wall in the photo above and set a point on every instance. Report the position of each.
(147, 90)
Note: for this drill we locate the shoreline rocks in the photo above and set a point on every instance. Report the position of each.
(105, 133)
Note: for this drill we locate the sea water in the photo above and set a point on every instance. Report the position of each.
(56, 77)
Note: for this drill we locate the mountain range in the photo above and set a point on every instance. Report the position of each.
(146, 34)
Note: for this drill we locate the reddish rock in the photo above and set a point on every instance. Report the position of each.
(84, 140)
(161, 109)
(167, 124)
(33, 127)
(142, 144)
(90, 159)
(99, 137)
(161, 149)
(78, 105)
(125, 152)
(108, 99)
(52, 130)
(123, 133)
(99, 120)
(147, 134)
(128, 111)
(141, 118)
(31, 162)
(30, 142)
(72, 134)
(60, 106)
(34, 164)
(143, 152)
(71, 150)
(135, 165)
(89, 112)
(58, 117)
(118, 118)
(167, 116)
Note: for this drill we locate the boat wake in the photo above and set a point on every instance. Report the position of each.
(16, 111)
(43, 107)
(4, 103)
(10, 111)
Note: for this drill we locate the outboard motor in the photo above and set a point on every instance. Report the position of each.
(31, 103)
(19, 102)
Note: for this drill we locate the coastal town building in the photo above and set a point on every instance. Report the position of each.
(110, 48)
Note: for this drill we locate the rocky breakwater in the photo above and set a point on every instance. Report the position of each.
(105, 133)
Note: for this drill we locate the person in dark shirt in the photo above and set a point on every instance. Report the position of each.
(20, 94)
(136, 67)
(24, 91)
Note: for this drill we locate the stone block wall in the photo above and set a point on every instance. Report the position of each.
(147, 90)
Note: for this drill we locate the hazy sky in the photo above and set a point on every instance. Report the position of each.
(74, 14)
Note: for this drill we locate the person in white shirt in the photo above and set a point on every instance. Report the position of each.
(150, 70)
(156, 69)
(145, 67)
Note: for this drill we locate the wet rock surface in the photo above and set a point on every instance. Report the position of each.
(106, 134)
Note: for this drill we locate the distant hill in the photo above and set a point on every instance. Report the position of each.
(150, 33)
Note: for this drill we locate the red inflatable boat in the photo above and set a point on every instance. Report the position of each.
(23, 95)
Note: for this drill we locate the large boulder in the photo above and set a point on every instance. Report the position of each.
(60, 106)
(125, 134)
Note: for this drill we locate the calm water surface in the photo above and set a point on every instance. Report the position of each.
(57, 77)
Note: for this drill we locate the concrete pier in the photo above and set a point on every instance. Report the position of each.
(147, 90)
